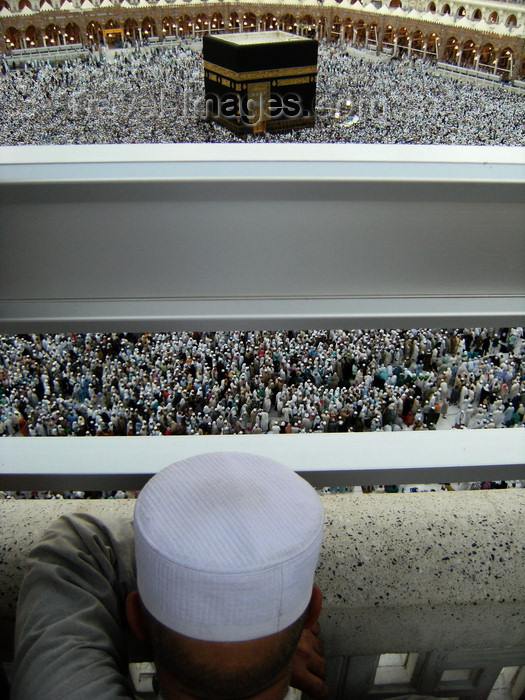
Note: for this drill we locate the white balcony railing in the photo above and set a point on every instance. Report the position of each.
(230, 236)
(338, 459)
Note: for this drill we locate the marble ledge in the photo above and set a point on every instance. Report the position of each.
(399, 572)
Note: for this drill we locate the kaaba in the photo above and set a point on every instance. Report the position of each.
(260, 81)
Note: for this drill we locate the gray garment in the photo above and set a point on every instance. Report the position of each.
(70, 639)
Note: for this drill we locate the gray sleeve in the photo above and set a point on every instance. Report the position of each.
(70, 639)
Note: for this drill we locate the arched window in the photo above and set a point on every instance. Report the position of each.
(348, 29)
(53, 34)
(24, 3)
(201, 24)
(269, 22)
(308, 25)
(321, 28)
(445, 9)
(505, 63)
(493, 17)
(402, 41)
(371, 34)
(113, 38)
(336, 28)
(477, 14)
(234, 21)
(451, 50)
(462, 12)
(487, 58)
(4, 5)
(94, 33)
(468, 54)
(249, 22)
(167, 24)
(217, 22)
(511, 21)
(185, 24)
(388, 38)
(432, 7)
(131, 29)
(288, 24)
(72, 33)
(149, 28)
(33, 36)
(13, 38)
(360, 32)
(395, 3)
(432, 40)
(417, 43)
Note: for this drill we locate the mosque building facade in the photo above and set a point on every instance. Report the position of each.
(486, 35)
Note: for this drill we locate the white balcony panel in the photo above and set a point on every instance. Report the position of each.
(170, 237)
(324, 459)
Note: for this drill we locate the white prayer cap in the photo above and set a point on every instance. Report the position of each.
(226, 546)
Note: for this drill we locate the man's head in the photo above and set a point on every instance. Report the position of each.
(226, 547)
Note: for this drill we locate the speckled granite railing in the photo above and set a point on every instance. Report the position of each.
(439, 575)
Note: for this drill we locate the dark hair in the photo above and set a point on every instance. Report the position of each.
(172, 656)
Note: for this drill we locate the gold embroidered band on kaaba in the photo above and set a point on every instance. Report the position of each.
(238, 86)
(294, 81)
(260, 74)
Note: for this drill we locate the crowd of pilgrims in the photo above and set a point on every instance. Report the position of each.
(260, 382)
(157, 96)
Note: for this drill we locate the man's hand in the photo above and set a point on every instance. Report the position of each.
(309, 665)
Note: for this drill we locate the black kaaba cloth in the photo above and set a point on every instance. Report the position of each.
(260, 81)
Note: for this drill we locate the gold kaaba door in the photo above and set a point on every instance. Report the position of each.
(259, 106)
